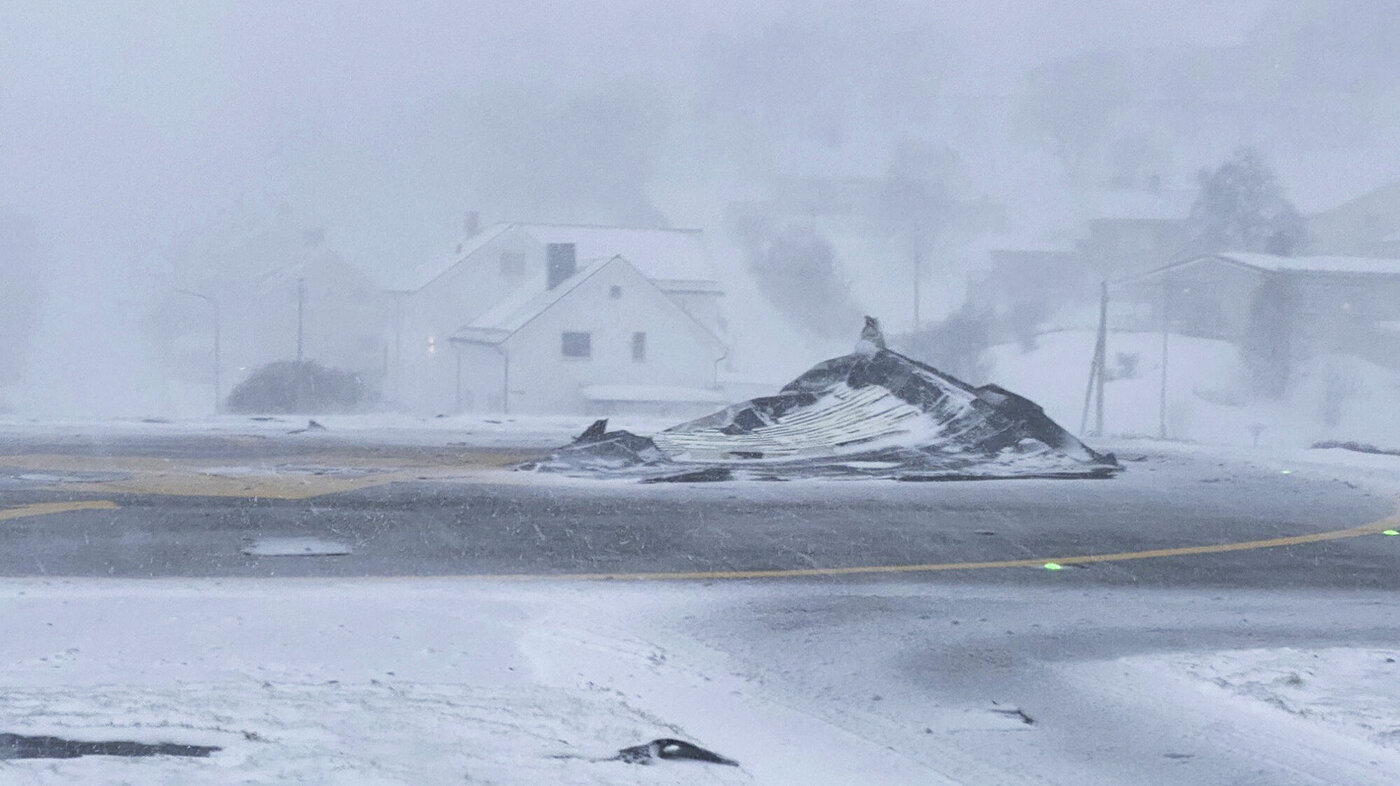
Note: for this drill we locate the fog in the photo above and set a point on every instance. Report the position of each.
(155, 147)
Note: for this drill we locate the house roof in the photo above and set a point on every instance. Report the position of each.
(1319, 264)
(674, 259)
(502, 320)
(426, 273)
(507, 317)
(1365, 266)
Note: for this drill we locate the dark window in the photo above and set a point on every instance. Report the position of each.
(577, 345)
(615, 292)
(512, 263)
(639, 347)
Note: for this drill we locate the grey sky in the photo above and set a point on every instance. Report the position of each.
(131, 120)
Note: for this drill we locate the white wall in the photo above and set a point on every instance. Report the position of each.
(424, 364)
(680, 353)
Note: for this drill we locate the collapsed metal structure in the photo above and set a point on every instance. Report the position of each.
(872, 413)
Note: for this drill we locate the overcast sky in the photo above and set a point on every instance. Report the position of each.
(130, 120)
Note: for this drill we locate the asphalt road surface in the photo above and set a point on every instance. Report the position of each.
(893, 613)
(196, 506)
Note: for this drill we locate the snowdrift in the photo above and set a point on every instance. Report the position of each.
(872, 413)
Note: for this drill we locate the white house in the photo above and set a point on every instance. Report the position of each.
(597, 338)
(498, 270)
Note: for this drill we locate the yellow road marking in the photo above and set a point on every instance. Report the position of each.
(47, 508)
(213, 478)
(1373, 528)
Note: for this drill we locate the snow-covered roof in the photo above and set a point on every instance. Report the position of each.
(426, 273)
(659, 254)
(502, 320)
(1320, 264)
(1353, 266)
(674, 259)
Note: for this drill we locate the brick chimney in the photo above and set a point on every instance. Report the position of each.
(561, 263)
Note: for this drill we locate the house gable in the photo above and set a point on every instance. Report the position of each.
(635, 335)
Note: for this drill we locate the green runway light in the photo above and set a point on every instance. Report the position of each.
(1054, 566)
(1390, 532)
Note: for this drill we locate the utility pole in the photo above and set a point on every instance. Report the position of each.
(1102, 353)
(1097, 369)
(301, 315)
(1166, 331)
(218, 360)
(918, 272)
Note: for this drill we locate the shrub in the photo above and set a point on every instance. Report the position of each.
(288, 386)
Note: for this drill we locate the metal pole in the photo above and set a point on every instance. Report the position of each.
(398, 349)
(918, 269)
(1102, 354)
(1162, 402)
(301, 311)
(505, 381)
(1089, 392)
(218, 361)
(458, 405)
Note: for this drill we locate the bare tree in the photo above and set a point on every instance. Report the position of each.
(1242, 207)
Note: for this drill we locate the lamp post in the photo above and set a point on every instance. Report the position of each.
(218, 391)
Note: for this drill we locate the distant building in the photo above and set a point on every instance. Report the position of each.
(338, 311)
(1368, 225)
(494, 273)
(1344, 305)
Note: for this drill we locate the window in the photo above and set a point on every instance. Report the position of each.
(639, 347)
(615, 292)
(577, 345)
(512, 264)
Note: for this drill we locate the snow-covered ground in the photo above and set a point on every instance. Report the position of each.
(1349, 692)
(452, 681)
(1206, 398)
(387, 681)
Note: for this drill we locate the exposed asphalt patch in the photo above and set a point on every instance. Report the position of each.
(20, 746)
(296, 547)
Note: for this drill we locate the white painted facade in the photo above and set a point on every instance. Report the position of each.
(505, 262)
(516, 362)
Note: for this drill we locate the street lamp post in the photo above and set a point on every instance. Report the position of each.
(218, 390)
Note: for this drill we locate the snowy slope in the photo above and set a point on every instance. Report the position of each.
(1206, 398)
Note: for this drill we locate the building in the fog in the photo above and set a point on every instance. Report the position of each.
(336, 311)
(1333, 304)
(494, 273)
(1367, 225)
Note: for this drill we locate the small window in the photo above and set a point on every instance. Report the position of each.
(615, 292)
(512, 264)
(639, 347)
(577, 345)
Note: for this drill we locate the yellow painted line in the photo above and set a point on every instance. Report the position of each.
(48, 508)
(213, 478)
(1373, 528)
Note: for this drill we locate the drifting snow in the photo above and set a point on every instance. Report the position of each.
(1354, 692)
(1330, 397)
